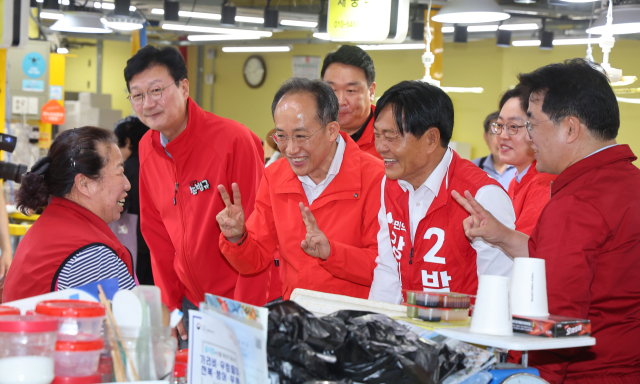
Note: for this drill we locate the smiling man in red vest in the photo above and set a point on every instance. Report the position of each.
(422, 244)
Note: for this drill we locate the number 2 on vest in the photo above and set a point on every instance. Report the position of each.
(431, 257)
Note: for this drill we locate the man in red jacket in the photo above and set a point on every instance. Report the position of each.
(183, 157)
(589, 232)
(421, 243)
(319, 205)
(350, 72)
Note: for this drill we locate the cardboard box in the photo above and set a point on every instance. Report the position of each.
(552, 326)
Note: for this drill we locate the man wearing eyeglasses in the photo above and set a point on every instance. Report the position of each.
(422, 245)
(319, 206)
(589, 232)
(185, 155)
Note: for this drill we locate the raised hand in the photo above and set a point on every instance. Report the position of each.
(480, 222)
(315, 243)
(231, 218)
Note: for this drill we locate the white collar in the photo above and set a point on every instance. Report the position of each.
(434, 181)
(336, 163)
(601, 149)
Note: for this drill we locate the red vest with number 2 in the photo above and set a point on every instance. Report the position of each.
(442, 259)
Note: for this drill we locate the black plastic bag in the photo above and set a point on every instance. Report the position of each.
(351, 346)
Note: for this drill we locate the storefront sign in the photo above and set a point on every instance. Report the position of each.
(53, 113)
(368, 20)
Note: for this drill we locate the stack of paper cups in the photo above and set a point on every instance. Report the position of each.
(492, 313)
(529, 287)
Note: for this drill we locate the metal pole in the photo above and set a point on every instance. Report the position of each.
(99, 45)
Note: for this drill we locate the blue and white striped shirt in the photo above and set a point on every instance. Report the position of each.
(94, 263)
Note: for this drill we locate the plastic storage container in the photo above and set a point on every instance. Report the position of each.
(26, 349)
(74, 316)
(438, 300)
(436, 314)
(4, 311)
(78, 356)
(93, 379)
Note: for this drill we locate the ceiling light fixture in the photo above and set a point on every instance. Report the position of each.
(250, 19)
(627, 100)
(575, 41)
(463, 89)
(520, 27)
(470, 12)
(460, 34)
(80, 22)
(108, 6)
(392, 47)
(322, 35)
(626, 20)
(122, 7)
(230, 31)
(51, 16)
(625, 80)
(220, 37)
(282, 48)
(493, 28)
(299, 23)
(525, 43)
(62, 51)
(580, 1)
(123, 23)
(503, 39)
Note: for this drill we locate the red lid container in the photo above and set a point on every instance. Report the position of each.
(79, 343)
(8, 311)
(182, 356)
(70, 308)
(180, 370)
(27, 324)
(94, 379)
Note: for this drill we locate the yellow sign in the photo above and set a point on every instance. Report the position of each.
(360, 20)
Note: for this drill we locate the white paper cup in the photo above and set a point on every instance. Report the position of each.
(529, 287)
(492, 313)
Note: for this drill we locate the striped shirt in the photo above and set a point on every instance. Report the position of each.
(94, 263)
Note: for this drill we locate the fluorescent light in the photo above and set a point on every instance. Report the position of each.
(95, 4)
(132, 8)
(627, 100)
(322, 35)
(579, 1)
(51, 15)
(525, 43)
(282, 48)
(122, 25)
(249, 19)
(108, 6)
(156, 11)
(575, 41)
(299, 23)
(463, 89)
(62, 51)
(448, 29)
(229, 31)
(520, 27)
(389, 47)
(220, 37)
(482, 28)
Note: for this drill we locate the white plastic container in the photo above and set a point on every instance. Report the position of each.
(75, 316)
(26, 349)
(78, 356)
(492, 312)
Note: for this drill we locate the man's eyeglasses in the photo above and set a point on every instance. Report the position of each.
(512, 128)
(529, 126)
(154, 93)
(302, 140)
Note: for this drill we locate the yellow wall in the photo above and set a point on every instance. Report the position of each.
(475, 64)
(80, 69)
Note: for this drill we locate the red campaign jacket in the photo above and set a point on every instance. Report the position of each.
(589, 236)
(346, 212)
(530, 196)
(179, 201)
(367, 142)
(63, 228)
(442, 259)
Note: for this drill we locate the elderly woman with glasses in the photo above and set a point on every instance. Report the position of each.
(81, 183)
(529, 190)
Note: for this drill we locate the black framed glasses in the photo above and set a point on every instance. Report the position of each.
(512, 128)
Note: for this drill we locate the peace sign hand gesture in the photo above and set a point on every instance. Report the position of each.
(480, 223)
(231, 218)
(315, 243)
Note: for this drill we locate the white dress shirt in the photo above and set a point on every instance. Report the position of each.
(491, 260)
(313, 190)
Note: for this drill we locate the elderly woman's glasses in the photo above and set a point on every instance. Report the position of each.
(512, 128)
(155, 93)
(282, 139)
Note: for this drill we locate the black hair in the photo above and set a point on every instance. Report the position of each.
(132, 128)
(327, 104)
(577, 88)
(150, 56)
(418, 106)
(72, 152)
(354, 56)
(521, 92)
(487, 122)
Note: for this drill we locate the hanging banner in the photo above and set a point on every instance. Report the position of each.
(53, 113)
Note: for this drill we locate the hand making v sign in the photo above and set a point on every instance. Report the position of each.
(315, 243)
(231, 218)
